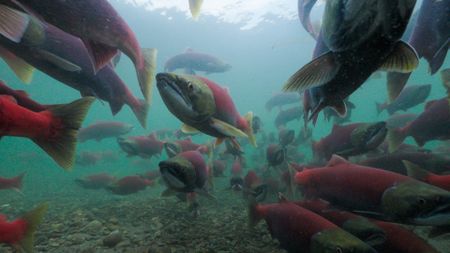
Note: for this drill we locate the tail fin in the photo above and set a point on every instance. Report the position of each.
(33, 219)
(140, 109)
(194, 7)
(22, 69)
(395, 138)
(415, 171)
(70, 116)
(380, 107)
(147, 72)
(253, 213)
(251, 136)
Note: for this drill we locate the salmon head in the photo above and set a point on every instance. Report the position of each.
(369, 136)
(179, 174)
(186, 97)
(417, 203)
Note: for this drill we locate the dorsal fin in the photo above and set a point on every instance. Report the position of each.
(335, 160)
(152, 136)
(282, 198)
(415, 171)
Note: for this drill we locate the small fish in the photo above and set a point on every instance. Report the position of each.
(300, 230)
(281, 99)
(14, 183)
(175, 147)
(387, 194)
(409, 97)
(236, 183)
(95, 181)
(20, 232)
(103, 130)
(288, 115)
(192, 61)
(432, 124)
(129, 185)
(54, 130)
(142, 146)
(204, 106)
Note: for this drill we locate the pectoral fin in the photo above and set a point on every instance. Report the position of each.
(188, 129)
(316, 73)
(13, 23)
(227, 129)
(403, 59)
(59, 61)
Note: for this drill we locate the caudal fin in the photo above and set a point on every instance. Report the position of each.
(251, 136)
(68, 118)
(395, 138)
(147, 72)
(33, 219)
(140, 109)
(194, 7)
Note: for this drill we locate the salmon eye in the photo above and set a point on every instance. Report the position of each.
(190, 86)
(422, 201)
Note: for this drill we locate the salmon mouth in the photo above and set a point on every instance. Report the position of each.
(171, 92)
(126, 146)
(171, 149)
(439, 216)
(376, 135)
(172, 175)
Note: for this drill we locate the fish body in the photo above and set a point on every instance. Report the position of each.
(288, 115)
(399, 120)
(22, 98)
(359, 45)
(129, 185)
(143, 146)
(101, 28)
(96, 181)
(186, 172)
(275, 155)
(236, 168)
(54, 129)
(281, 99)
(436, 163)
(394, 196)
(178, 146)
(103, 130)
(193, 61)
(432, 124)
(351, 139)
(204, 106)
(409, 97)
(356, 225)
(65, 58)
(300, 230)
(218, 168)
